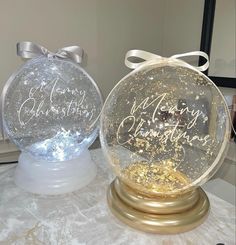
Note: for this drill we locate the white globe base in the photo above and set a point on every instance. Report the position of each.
(53, 178)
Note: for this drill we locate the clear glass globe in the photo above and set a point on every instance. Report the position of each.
(165, 128)
(51, 109)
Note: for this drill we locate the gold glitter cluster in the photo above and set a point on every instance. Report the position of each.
(154, 178)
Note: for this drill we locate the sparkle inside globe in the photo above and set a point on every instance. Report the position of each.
(164, 128)
(51, 109)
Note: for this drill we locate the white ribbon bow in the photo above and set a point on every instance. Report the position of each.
(147, 56)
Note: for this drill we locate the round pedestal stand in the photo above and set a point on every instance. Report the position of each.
(163, 215)
(52, 178)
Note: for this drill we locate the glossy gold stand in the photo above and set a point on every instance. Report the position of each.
(164, 215)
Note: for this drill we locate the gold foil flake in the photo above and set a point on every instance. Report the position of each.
(154, 178)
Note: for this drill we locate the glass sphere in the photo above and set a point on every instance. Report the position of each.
(51, 109)
(165, 128)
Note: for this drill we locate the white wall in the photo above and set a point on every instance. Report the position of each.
(223, 50)
(165, 27)
(182, 26)
(106, 29)
(124, 25)
(54, 24)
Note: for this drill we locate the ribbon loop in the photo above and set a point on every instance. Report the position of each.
(29, 50)
(204, 67)
(147, 56)
(74, 53)
(140, 54)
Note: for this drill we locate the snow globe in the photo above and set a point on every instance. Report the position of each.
(50, 111)
(164, 131)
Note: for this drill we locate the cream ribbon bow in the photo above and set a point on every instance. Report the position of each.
(147, 56)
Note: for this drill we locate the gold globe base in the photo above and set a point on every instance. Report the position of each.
(163, 215)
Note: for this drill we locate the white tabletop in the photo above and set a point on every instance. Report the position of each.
(83, 217)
